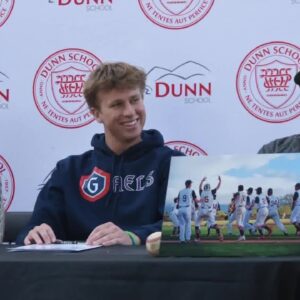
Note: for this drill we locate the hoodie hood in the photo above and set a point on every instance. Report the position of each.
(150, 139)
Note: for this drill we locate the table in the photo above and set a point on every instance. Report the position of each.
(130, 273)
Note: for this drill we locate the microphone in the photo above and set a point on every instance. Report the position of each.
(297, 78)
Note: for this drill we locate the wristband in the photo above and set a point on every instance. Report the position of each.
(134, 239)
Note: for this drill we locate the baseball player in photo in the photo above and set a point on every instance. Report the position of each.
(240, 203)
(207, 196)
(295, 216)
(200, 214)
(185, 198)
(173, 215)
(231, 216)
(273, 210)
(195, 212)
(215, 209)
(261, 203)
(249, 210)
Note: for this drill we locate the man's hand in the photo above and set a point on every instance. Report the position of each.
(108, 234)
(42, 234)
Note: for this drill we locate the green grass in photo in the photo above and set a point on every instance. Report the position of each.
(281, 245)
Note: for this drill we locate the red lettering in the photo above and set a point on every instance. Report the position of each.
(64, 2)
(4, 95)
(80, 2)
(161, 85)
(2, 169)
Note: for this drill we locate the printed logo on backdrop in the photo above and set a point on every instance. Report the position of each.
(8, 182)
(174, 14)
(189, 82)
(186, 148)
(58, 87)
(4, 91)
(6, 7)
(265, 84)
(95, 186)
(89, 5)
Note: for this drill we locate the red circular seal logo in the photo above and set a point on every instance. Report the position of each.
(265, 84)
(58, 87)
(186, 148)
(174, 14)
(6, 7)
(8, 182)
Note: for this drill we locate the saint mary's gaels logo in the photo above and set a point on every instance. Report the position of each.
(95, 186)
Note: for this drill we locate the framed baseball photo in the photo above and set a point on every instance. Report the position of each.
(233, 205)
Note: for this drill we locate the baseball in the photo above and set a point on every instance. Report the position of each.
(153, 243)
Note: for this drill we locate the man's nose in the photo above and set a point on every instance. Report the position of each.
(128, 109)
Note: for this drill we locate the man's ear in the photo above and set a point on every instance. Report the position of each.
(96, 113)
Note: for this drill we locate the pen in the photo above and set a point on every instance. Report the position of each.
(8, 243)
(65, 242)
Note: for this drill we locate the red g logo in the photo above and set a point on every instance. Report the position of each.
(95, 186)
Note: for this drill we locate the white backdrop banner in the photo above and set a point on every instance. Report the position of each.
(220, 77)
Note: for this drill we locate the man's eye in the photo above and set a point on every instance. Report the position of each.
(115, 104)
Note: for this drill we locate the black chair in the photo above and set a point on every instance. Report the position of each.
(14, 222)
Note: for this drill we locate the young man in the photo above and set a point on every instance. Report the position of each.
(113, 194)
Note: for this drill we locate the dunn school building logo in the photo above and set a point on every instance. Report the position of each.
(8, 182)
(172, 14)
(58, 87)
(186, 148)
(265, 84)
(6, 8)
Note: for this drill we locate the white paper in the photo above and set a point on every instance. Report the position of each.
(55, 247)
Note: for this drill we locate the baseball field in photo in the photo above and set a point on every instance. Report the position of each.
(277, 245)
(232, 206)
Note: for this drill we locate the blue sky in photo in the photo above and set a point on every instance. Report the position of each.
(277, 171)
(278, 165)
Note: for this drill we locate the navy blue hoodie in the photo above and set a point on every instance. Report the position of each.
(98, 186)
